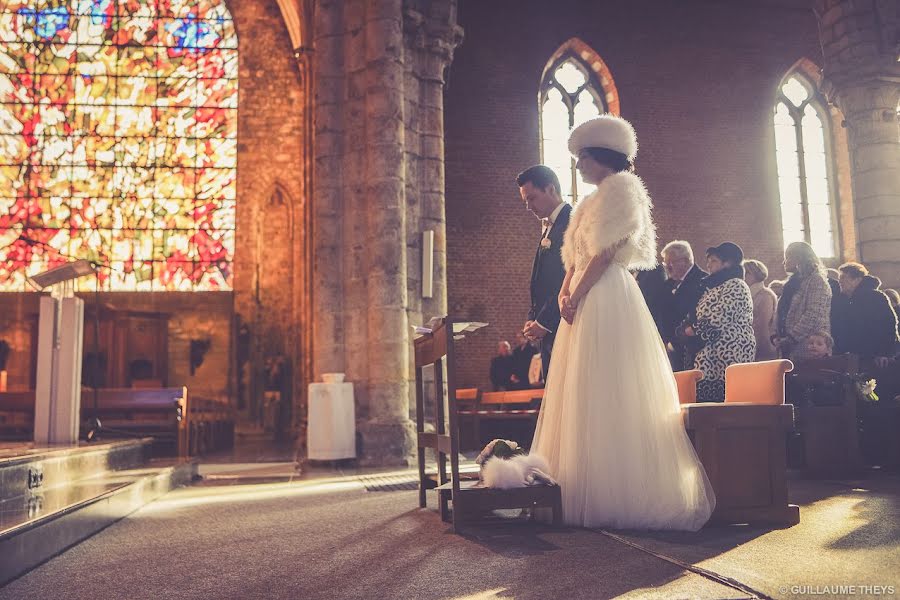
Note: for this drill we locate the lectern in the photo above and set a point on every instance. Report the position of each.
(60, 333)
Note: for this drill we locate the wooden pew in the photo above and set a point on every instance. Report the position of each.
(824, 397)
(742, 445)
(163, 413)
(516, 404)
(469, 499)
(16, 415)
(183, 425)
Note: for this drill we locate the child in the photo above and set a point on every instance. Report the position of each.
(819, 345)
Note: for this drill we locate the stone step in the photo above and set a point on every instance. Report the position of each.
(40, 524)
(27, 468)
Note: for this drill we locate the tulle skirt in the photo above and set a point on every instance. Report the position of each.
(610, 426)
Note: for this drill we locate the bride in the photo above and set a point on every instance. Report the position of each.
(610, 426)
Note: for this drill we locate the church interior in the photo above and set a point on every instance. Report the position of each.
(262, 263)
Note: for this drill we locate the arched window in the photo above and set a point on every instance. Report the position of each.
(576, 86)
(805, 169)
(118, 125)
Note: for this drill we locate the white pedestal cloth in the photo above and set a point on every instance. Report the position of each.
(332, 421)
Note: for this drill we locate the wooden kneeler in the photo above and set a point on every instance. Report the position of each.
(468, 499)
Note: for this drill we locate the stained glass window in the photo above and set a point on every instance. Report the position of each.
(570, 95)
(804, 185)
(118, 125)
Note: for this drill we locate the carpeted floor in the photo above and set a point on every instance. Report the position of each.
(332, 539)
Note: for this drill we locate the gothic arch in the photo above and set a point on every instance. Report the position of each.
(588, 57)
(837, 165)
(297, 16)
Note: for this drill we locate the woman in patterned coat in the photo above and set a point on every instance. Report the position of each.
(723, 322)
(804, 308)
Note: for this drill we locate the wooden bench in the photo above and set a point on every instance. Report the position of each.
(742, 445)
(469, 499)
(181, 424)
(517, 404)
(824, 397)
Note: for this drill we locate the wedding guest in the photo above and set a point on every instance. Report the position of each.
(657, 294)
(764, 303)
(840, 306)
(723, 321)
(502, 368)
(535, 372)
(871, 325)
(777, 287)
(805, 304)
(894, 297)
(819, 345)
(685, 287)
(521, 360)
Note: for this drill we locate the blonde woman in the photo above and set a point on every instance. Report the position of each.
(764, 306)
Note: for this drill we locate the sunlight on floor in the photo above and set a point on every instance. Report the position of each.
(494, 593)
(204, 496)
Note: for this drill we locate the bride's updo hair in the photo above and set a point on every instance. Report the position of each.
(616, 161)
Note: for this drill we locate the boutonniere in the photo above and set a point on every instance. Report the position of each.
(546, 243)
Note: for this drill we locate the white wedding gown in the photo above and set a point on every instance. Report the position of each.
(610, 426)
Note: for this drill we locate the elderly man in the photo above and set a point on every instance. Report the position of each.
(685, 289)
(502, 368)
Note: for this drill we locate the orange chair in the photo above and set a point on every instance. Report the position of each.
(687, 385)
(756, 383)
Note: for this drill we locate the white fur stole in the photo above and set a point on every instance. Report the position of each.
(518, 471)
(618, 210)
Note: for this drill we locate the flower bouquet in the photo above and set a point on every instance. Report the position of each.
(865, 388)
(505, 465)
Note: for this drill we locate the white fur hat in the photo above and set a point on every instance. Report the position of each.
(605, 131)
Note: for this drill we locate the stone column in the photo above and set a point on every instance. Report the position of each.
(388, 432)
(862, 74)
(374, 174)
(303, 249)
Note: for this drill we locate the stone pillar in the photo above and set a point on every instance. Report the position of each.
(862, 74)
(388, 432)
(371, 177)
(302, 340)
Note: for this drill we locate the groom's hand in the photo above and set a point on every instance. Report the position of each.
(533, 331)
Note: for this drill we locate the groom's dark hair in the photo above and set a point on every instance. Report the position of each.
(539, 176)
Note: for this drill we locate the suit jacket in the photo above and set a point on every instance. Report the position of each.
(548, 273)
(684, 300)
(657, 292)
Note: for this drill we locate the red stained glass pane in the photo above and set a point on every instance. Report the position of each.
(118, 128)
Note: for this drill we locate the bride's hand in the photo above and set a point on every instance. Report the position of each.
(568, 309)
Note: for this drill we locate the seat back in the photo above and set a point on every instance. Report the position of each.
(468, 398)
(757, 382)
(687, 385)
(512, 397)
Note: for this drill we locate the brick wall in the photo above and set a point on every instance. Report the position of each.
(270, 226)
(697, 80)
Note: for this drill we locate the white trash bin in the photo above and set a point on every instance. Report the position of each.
(331, 423)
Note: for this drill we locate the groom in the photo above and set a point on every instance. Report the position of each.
(539, 187)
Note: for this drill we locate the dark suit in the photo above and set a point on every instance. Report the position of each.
(547, 275)
(657, 294)
(682, 305)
